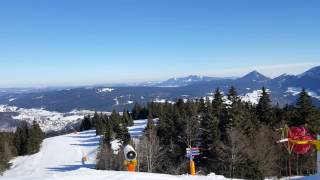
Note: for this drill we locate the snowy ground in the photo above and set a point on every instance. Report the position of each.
(61, 158)
(48, 120)
(136, 131)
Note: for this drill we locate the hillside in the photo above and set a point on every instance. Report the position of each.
(60, 158)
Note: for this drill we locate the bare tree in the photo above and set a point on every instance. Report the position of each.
(149, 149)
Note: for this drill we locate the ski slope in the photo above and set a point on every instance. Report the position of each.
(60, 157)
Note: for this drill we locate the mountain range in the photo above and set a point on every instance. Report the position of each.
(283, 90)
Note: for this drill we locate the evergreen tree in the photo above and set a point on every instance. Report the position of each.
(264, 110)
(304, 107)
(108, 135)
(86, 124)
(100, 125)
(233, 95)
(221, 114)
(307, 113)
(127, 119)
(21, 138)
(95, 119)
(136, 110)
(34, 139)
(209, 135)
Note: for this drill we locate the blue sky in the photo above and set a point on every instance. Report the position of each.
(74, 42)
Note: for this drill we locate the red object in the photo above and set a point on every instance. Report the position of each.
(299, 134)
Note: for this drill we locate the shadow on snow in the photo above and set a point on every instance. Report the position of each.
(66, 168)
(87, 145)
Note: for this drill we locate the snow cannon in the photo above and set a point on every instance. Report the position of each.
(131, 158)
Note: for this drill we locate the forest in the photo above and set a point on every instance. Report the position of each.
(236, 139)
(26, 140)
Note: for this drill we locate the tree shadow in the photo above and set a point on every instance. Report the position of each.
(95, 139)
(88, 132)
(136, 129)
(66, 168)
(83, 137)
(87, 145)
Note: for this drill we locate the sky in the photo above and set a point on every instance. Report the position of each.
(78, 42)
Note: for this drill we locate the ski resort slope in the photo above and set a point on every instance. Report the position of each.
(61, 157)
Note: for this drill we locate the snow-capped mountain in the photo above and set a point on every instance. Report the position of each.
(182, 81)
(283, 90)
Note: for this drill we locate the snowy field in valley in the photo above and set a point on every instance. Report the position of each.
(48, 120)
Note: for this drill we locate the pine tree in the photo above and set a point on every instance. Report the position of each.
(307, 113)
(21, 138)
(264, 110)
(209, 135)
(221, 114)
(136, 110)
(34, 139)
(86, 124)
(304, 107)
(126, 118)
(100, 125)
(95, 119)
(233, 95)
(108, 135)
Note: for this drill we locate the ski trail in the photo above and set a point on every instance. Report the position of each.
(60, 158)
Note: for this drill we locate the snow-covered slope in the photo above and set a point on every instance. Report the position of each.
(61, 158)
(58, 155)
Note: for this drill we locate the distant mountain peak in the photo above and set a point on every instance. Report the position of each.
(313, 72)
(255, 76)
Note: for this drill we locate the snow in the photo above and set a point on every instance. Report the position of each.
(48, 120)
(57, 155)
(105, 90)
(294, 91)
(315, 177)
(130, 102)
(61, 157)
(136, 131)
(116, 101)
(254, 96)
(116, 145)
(158, 100)
(5, 108)
(11, 99)
(39, 97)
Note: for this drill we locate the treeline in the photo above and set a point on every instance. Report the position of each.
(25, 141)
(112, 127)
(237, 139)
